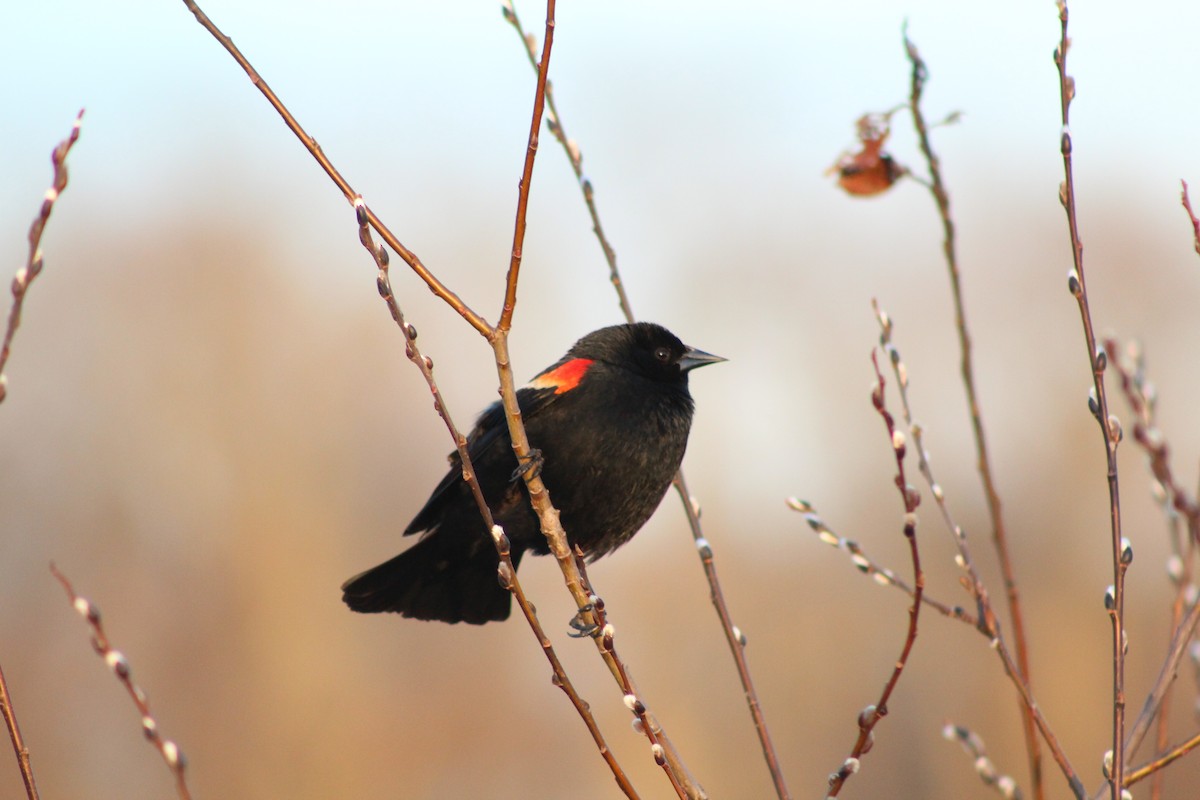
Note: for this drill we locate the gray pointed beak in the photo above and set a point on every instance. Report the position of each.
(693, 358)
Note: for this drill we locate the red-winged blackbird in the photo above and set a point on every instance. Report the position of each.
(610, 420)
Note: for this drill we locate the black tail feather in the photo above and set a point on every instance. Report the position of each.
(435, 580)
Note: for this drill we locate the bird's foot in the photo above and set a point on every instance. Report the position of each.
(530, 465)
(583, 624)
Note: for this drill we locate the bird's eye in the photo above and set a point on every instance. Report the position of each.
(663, 354)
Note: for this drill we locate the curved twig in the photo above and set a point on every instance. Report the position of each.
(871, 715)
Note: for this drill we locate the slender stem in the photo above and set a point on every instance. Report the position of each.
(1166, 676)
(986, 622)
(575, 157)
(732, 634)
(116, 661)
(1157, 764)
(999, 537)
(868, 566)
(33, 262)
(535, 126)
(18, 743)
(1097, 360)
(1187, 206)
(436, 286)
(870, 717)
(548, 515)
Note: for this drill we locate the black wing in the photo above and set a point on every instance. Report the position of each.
(490, 448)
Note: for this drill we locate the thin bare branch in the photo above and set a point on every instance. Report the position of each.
(1187, 206)
(33, 262)
(117, 662)
(984, 767)
(535, 125)
(548, 515)
(436, 286)
(1180, 505)
(999, 536)
(871, 715)
(18, 742)
(882, 575)
(1157, 764)
(1110, 429)
(986, 623)
(575, 157)
(733, 635)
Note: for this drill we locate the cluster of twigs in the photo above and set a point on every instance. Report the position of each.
(1182, 509)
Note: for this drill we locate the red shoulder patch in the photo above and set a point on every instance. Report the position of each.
(563, 378)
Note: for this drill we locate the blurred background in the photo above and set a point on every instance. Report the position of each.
(211, 423)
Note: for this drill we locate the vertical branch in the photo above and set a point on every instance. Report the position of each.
(1182, 506)
(871, 715)
(535, 125)
(33, 262)
(999, 537)
(1187, 206)
(575, 157)
(548, 516)
(18, 742)
(1110, 429)
(733, 635)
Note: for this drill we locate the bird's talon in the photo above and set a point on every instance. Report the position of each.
(581, 626)
(531, 465)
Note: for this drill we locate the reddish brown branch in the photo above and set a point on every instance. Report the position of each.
(33, 262)
(575, 157)
(535, 126)
(999, 536)
(732, 635)
(310, 144)
(1187, 206)
(548, 515)
(1110, 430)
(117, 662)
(986, 622)
(18, 742)
(1181, 503)
(871, 715)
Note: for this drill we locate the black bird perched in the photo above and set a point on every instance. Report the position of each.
(611, 421)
